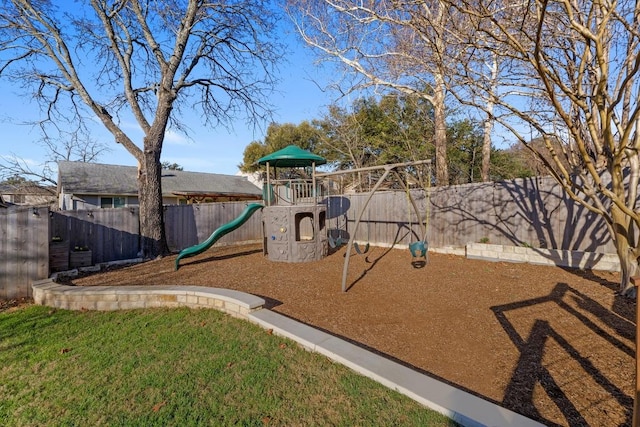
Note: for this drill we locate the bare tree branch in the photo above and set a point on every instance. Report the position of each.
(577, 87)
(403, 46)
(148, 59)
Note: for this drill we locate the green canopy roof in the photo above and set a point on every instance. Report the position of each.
(292, 157)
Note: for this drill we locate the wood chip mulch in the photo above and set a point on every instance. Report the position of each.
(554, 344)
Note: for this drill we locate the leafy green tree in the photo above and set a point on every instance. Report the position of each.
(512, 163)
(305, 135)
(392, 129)
(465, 144)
(464, 151)
(171, 166)
(399, 128)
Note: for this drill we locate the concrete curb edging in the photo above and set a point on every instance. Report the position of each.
(464, 408)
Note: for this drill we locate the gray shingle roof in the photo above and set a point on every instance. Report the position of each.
(97, 178)
(28, 188)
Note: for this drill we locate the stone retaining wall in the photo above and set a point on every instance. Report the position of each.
(572, 259)
(109, 298)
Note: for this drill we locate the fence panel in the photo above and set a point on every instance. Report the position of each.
(110, 234)
(531, 212)
(188, 225)
(24, 237)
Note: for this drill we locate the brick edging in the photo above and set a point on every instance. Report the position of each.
(108, 298)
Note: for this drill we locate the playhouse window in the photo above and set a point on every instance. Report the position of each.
(304, 226)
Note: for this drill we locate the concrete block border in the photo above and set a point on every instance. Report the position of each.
(539, 256)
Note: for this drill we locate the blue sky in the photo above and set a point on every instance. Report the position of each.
(298, 97)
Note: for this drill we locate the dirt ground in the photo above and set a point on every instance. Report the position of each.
(553, 344)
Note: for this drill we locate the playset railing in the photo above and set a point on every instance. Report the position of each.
(287, 192)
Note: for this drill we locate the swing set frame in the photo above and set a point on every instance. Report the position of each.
(388, 169)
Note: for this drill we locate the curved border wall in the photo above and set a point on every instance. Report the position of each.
(109, 298)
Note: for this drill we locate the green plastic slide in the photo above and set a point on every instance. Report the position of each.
(219, 232)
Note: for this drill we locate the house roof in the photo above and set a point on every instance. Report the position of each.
(292, 156)
(27, 188)
(97, 178)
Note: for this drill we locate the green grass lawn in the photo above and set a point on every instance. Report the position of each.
(178, 367)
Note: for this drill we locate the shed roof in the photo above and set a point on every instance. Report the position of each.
(97, 178)
(292, 156)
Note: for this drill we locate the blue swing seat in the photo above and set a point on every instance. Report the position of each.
(335, 243)
(360, 250)
(418, 249)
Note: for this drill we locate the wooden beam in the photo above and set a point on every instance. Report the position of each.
(388, 167)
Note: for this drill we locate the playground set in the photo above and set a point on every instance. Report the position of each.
(298, 205)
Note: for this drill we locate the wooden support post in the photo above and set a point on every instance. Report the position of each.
(635, 280)
(387, 170)
(352, 238)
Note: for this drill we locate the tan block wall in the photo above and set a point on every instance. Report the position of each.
(237, 304)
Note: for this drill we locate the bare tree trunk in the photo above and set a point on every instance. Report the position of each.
(628, 266)
(440, 124)
(488, 124)
(626, 252)
(153, 241)
(486, 149)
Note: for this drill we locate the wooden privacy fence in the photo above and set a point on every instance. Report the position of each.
(188, 225)
(525, 212)
(532, 212)
(35, 241)
(24, 250)
(110, 234)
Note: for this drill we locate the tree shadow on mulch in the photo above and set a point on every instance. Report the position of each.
(530, 370)
(623, 306)
(220, 257)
